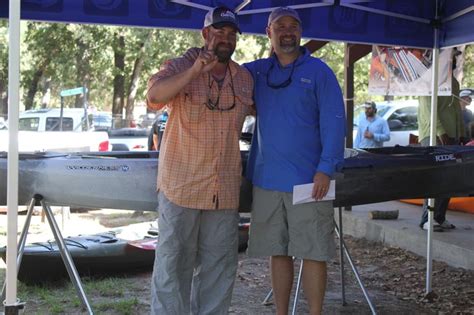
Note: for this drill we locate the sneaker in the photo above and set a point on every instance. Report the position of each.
(447, 225)
(436, 227)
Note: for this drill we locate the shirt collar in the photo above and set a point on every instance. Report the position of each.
(304, 54)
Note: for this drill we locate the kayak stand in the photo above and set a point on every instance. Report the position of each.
(342, 250)
(65, 255)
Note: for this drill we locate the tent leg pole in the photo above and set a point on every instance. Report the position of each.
(356, 273)
(297, 292)
(341, 258)
(433, 133)
(66, 256)
(266, 301)
(21, 242)
(429, 246)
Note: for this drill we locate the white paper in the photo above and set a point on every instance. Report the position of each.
(303, 193)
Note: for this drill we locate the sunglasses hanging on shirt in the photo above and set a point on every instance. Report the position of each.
(215, 105)
(283, 84)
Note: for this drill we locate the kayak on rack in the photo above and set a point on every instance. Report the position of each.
(126, 180)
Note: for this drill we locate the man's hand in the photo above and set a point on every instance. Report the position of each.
(321, 185)
(206, 60)
(368, 134)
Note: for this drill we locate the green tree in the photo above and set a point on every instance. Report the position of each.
(468, 79)
(114, 63)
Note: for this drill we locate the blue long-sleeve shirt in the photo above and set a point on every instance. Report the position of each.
(378, 127)
(300, 128)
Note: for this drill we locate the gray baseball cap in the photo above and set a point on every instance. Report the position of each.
(221, 16)
(465, 93)
(370, 105)
(281, 12)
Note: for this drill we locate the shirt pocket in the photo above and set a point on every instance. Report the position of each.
(194, 106)
(243, 99)
(301, 108)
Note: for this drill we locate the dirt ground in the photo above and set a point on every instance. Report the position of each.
(394, 279)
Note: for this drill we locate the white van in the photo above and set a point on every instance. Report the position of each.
(48, 119)
(41, 130)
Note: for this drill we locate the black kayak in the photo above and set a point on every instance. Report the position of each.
(98, 254)
(383, 174)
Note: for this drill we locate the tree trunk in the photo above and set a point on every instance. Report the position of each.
(33, 88)
(46, 93)
(119, 80)
(137, 69)
(82, 74)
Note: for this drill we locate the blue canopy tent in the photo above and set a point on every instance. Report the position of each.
(424, 23)
(388, 22)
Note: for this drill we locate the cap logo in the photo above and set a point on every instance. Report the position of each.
(228, 14)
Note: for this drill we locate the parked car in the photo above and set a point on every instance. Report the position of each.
(401, 117)
(102, 121)
(45, 130)
(48, 119)
(471, 91)
(146, 120)
(129, 139)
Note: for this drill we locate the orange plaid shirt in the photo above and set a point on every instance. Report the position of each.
(199, 164)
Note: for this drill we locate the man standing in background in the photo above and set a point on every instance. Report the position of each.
(449, 130)
(372, 130)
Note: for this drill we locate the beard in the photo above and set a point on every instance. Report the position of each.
(224, 52)
(288, 44)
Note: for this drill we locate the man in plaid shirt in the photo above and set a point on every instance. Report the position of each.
(208, 96)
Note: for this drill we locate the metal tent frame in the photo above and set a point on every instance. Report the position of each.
(457, 17)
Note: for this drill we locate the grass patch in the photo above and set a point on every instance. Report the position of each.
(123, 307)
(104, 295)
(107, 295)
(110, 287)
(56, 299)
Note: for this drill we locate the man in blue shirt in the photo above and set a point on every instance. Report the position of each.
(373, 130)
(298, 139)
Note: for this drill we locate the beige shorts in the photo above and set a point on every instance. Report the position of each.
(279, 228)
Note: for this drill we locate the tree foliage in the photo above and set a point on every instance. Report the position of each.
(57, 56)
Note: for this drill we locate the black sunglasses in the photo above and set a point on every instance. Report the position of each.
(283, 84)
(215, 105)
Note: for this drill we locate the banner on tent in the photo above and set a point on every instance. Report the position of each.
(408, 71)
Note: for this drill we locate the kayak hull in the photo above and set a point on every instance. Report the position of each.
(126, 180)
(99, 254)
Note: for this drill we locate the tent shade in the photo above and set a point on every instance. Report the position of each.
(386, 22)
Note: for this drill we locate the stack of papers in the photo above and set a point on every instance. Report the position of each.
(303, 193)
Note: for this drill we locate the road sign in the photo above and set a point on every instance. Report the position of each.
(75, 91)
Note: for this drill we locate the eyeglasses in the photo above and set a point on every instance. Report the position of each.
(215, 105)
(283, 84)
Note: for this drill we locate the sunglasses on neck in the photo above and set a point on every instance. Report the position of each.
(215, 105)
(283, 84)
